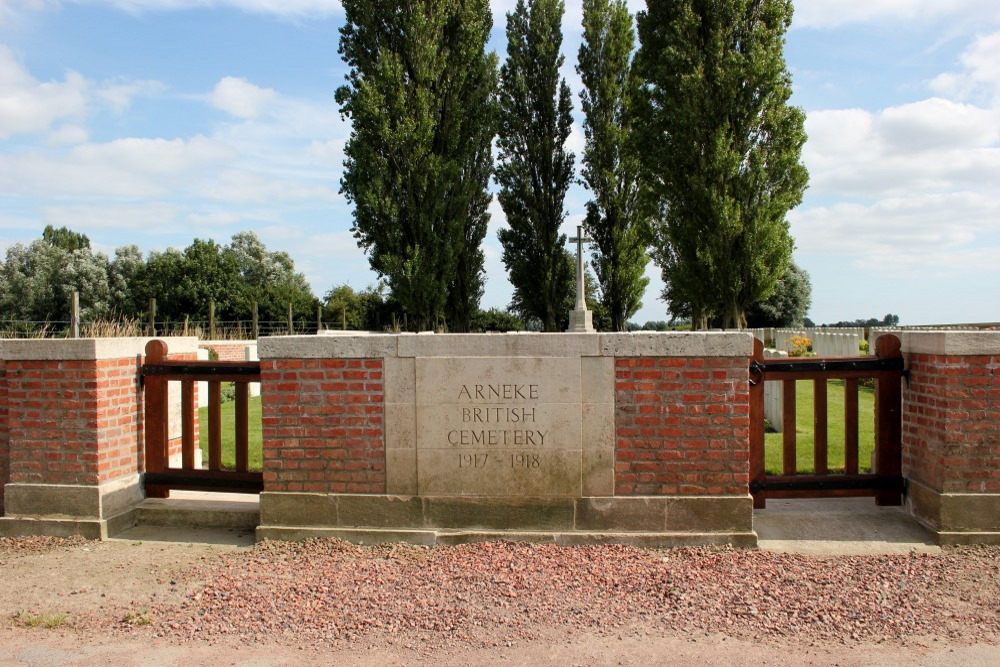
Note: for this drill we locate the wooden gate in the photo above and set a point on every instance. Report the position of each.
(885, 482)
(156, 373)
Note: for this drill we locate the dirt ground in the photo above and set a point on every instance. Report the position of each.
(124, 603)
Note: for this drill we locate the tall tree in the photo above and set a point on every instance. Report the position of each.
(616, 218)
(722, 147)
(788, 304)
(535, 168)
(420, 95)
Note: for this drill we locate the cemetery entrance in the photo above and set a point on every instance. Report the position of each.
(885, 481)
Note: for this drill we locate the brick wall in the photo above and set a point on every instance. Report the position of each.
(682, 426)
(4, 433)
(74, 422)
(951, 422)
(323, 425)
(227, 351)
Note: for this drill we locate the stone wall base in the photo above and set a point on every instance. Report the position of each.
(64, 510)
(639, 521)
(956, 518)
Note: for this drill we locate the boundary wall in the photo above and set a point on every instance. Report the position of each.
(654, 429)
(72, 434)
(662, 456)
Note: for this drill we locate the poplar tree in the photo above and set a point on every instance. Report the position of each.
(535, 168)
(722, 147)
(420, 94)
(616, 219)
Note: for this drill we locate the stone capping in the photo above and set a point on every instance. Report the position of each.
(639, 344)
(87, 349)
(951, 343)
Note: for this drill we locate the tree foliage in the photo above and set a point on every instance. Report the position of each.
(616, 217)
(420, 95)
(37, 280)
(535, 169)
(722, 148)
(788, 304)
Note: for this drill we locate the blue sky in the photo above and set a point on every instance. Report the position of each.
(157, 121)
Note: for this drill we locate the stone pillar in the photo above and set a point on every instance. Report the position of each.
(951, 433)
(74, 428)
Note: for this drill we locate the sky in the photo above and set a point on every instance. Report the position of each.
(154, 122)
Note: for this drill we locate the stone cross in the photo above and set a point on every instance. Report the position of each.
(579, 240)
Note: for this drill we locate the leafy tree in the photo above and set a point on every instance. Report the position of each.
(788, 305)
(535, 168)
(420, 95)
(37, 280)
(65, 238)
(722, 147)
(123, 270)
(615, 216)
(268, 279)
(497, 320)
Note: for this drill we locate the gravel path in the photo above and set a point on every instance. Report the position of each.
(327, 593)
(493, 593)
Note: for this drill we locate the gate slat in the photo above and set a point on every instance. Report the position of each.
(187, 424)
(788, 428)
(819, 427)
(215, 426)
(242, 426)
(851, 426)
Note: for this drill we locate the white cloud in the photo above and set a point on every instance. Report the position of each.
(834, 13)
(240, 98)
(934, 145)
(981, 74)
(122, 168)
(286, 8)
(956, 232)
(118, 94)
(28, 106)
(68, 135)
(86, 217)
(241, 186)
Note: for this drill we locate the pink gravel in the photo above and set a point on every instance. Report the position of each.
(497, 593)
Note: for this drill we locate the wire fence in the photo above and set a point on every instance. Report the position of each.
(203, 329)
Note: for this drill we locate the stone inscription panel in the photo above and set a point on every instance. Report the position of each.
(506, 426)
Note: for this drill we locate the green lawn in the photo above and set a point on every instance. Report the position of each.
(229, 434)
(835, 430)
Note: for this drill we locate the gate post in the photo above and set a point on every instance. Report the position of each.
(888, 424)
(757, 427)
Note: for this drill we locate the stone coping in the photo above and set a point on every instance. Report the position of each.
(639, 344)
(951, 343)
(87, 349)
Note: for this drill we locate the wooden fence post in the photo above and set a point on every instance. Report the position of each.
(888, 416)
(211, 319)
(152, 317)
(156, 428)
(757, 425)
(74, 314)
(254, 329)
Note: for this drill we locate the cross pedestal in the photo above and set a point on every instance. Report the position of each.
(581, 320)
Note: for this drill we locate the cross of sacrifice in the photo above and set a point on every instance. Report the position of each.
(579, 240)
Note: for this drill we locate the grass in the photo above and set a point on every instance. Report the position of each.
(29, 620)
(805, 432)
(229, 434)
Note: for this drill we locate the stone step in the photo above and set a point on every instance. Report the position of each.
(197, 509)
